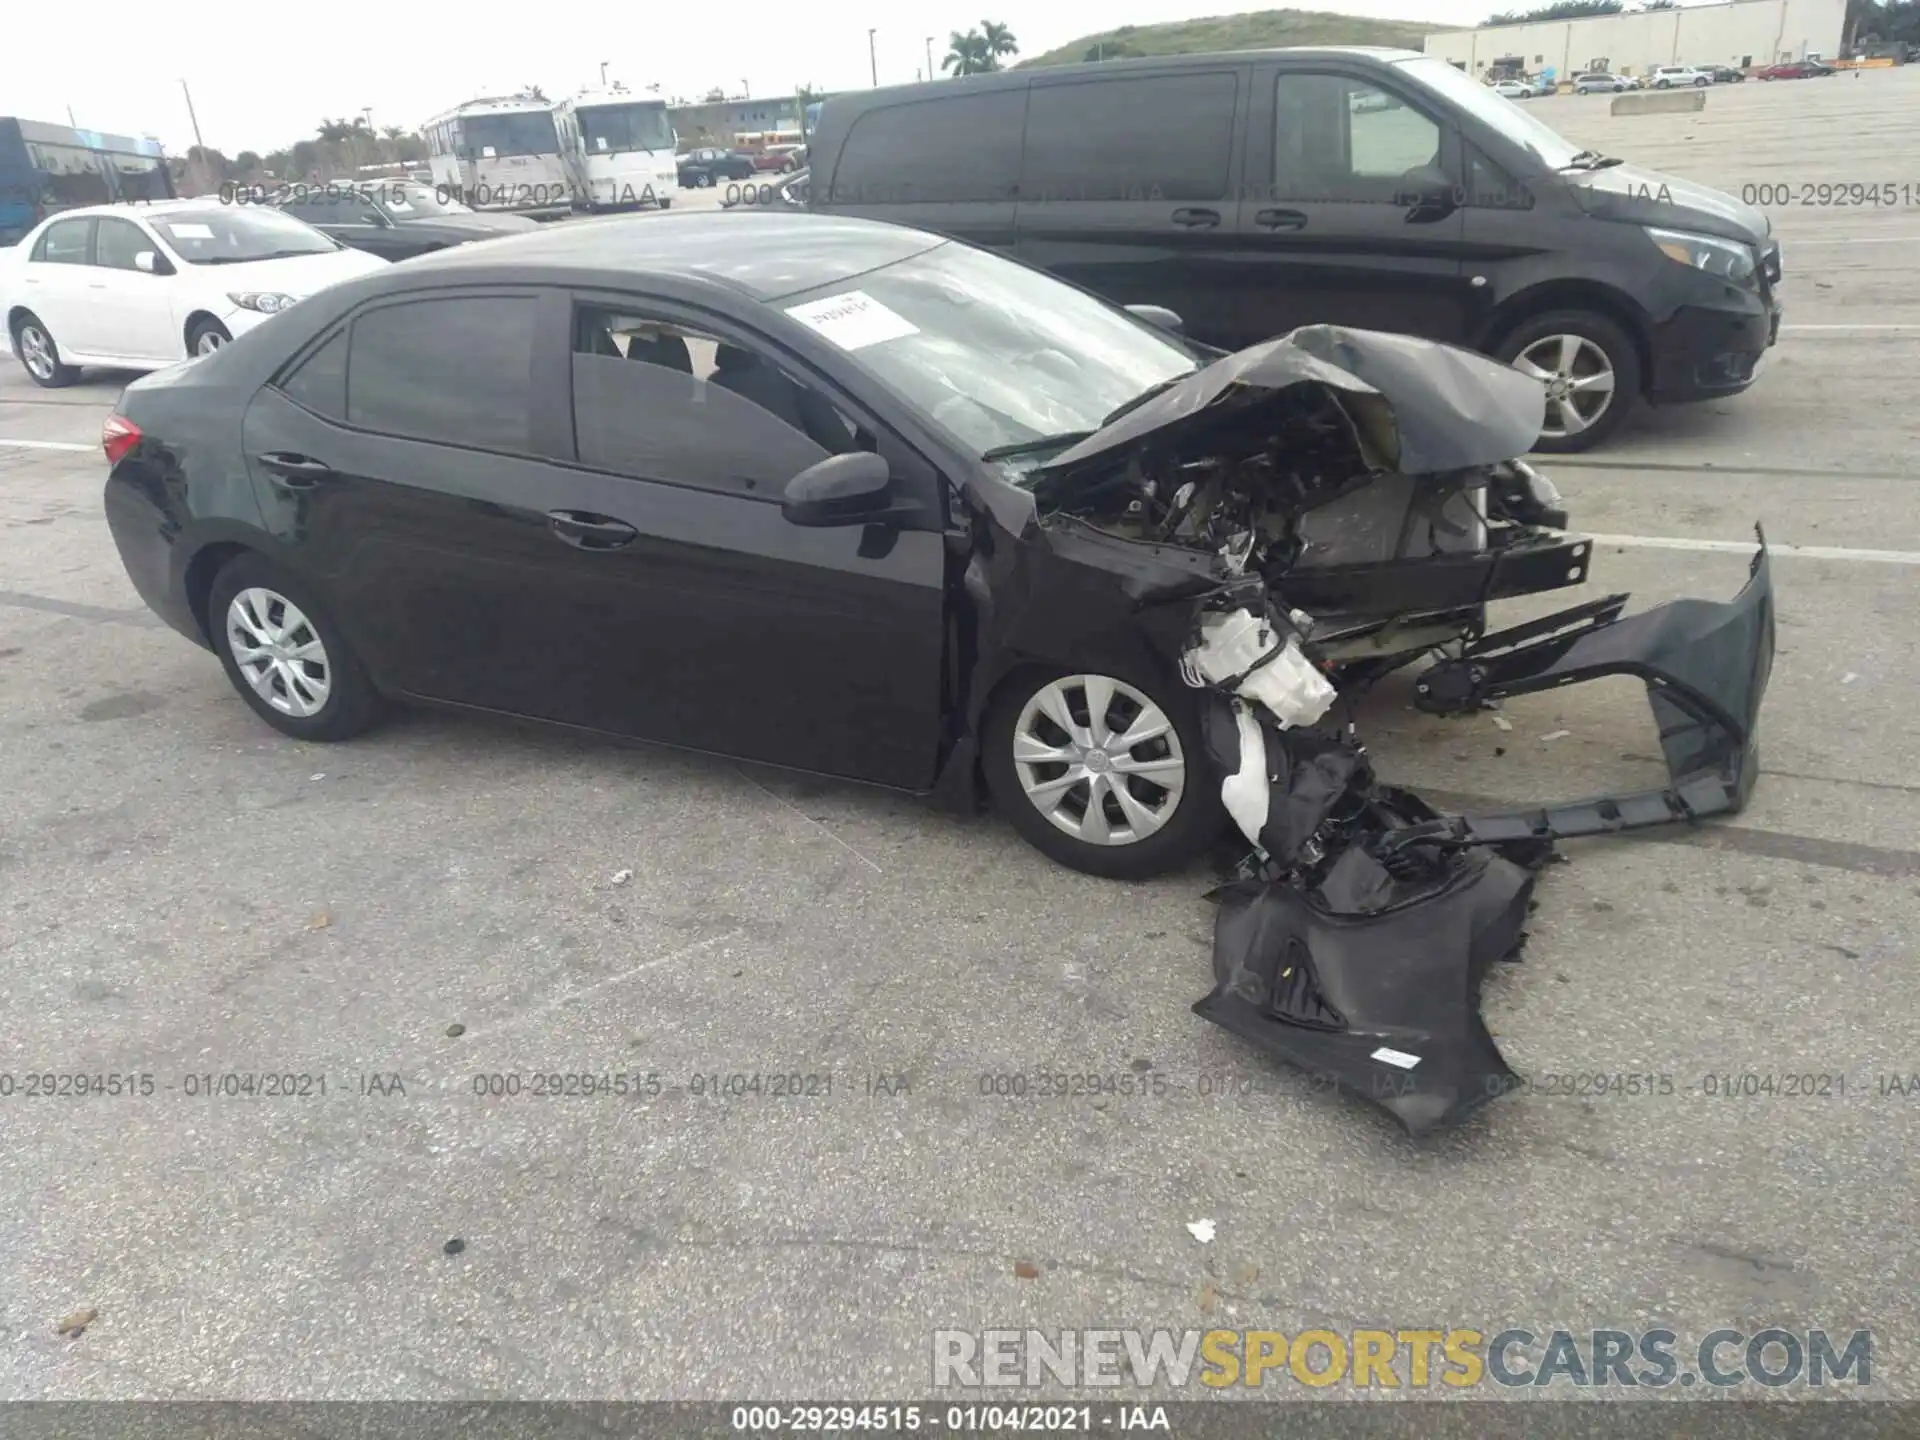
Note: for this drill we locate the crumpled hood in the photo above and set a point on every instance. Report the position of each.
(1421, 407)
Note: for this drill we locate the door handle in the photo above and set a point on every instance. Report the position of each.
(1191, 218)
(1280, 219)
(96, 285)
(587, 531)
(296, 472)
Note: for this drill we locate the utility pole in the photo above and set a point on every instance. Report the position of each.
(603, 74)
(200, 146)
(929, 57)
(873, 64)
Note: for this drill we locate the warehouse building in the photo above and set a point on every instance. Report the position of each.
(1736, 32)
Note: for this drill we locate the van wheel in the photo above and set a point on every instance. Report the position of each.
(34, 344)
(1590, 368)
(1106, 774)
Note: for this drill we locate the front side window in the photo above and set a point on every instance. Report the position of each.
(233, 234)
(457, 371)
(117, 242)
(1337, 138)
(1519, 124)
(1158, 137)
(661, 401)
(64, 243)
(959, 151)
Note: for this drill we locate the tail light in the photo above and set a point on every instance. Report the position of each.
(117, 437)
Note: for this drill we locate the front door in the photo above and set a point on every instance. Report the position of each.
(133, 307)
(1338, 226)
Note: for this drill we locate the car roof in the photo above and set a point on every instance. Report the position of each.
(765, 257)
(142, 207)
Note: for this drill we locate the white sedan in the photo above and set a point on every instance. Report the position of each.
(1514, 89)
(141, 287)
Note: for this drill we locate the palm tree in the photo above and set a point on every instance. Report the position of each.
(1000, 41)
(968, 54)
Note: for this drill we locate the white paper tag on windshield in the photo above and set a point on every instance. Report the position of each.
(1388, 1056)
(854, 320)
(188, 230)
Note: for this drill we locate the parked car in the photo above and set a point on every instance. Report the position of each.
(1159, 181)
(141, 287)
(395, 219)
(1600, 82)
(1543, 86)
(813, 467)
(1728, 75)
(703, 168)
(1795, 70)
(1666, 77)
(780, 157)
(1514, 89)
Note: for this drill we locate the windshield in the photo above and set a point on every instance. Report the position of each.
(407, 199)
(1514, 121)
(996, 354)
(228, 234)
(531, 133)
(617, 128)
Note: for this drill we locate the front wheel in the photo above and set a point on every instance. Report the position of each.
(206, 336)
(1702, 83)
(1591, 371)
(1104, 773)
(284, 654)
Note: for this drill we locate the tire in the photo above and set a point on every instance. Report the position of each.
(251, 590)
(206, 336)
(33, 342)
(1701, 83)
(1189, 817)
(1663, 85)
(1616, 349)
(665, 204)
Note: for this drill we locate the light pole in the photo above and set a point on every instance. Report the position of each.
(929, 57)
(873, 65)
(199, 145)
(603, 74)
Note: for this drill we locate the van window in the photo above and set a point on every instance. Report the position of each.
(1152, 137)
(1337, 138)
(954, 151)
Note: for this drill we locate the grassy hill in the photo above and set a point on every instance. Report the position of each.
(1256, 30)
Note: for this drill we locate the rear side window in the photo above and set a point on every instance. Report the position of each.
(457, 371)
(65, 243)
(954, 151)
(320, 382)
(1157, 137)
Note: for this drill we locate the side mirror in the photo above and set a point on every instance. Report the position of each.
(1160, 317)
(839, 490)
(1428, 193)
(148, 261)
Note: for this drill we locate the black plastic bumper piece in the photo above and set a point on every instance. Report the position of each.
(1527, 566)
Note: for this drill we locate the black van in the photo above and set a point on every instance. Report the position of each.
(1257, 191)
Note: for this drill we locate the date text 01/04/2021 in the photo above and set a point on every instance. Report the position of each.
(480, 196)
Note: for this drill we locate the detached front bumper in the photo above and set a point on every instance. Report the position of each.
(1359, 951)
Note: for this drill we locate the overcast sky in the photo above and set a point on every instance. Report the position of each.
(263, 77)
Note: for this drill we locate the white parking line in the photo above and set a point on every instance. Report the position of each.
(1746, 547)
(47, 445)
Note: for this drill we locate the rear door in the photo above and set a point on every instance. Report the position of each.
(1128, 186)
(53, 283)
(1333, 230)
(949, 164)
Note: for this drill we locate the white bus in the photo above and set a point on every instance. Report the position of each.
(620, 149)
(500, 154)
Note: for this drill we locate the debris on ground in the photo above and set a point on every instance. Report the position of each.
(1201, 1230)
(1555, 735)
(75, 1325)
(1025, 1270)
(623, 877)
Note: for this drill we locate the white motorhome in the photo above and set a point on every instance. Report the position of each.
(500, 154)
(619, 149)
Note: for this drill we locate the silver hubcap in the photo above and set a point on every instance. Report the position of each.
(1579, 380)
(1099, 759)
(36, 349)
(209, 341)
(279, 651)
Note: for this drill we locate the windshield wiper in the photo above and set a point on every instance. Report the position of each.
(1592, 160)
(1158, 388)
(1036, 445)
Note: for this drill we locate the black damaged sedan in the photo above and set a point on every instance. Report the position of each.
(854, 499)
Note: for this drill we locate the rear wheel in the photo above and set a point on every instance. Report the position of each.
(1590, 368)
(1104, 773)
(284, 654)
(40, 355)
